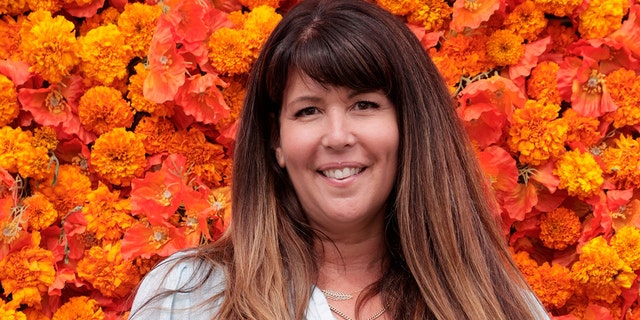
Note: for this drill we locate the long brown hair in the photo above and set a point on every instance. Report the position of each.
(446, 256)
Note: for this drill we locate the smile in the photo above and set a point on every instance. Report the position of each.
(341, 174)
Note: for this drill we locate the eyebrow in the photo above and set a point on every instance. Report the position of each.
(314, 98)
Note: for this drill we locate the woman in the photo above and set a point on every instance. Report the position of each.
(356, 194)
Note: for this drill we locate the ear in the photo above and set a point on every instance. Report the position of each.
(280, 157)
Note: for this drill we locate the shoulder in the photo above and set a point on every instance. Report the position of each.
(179, 287)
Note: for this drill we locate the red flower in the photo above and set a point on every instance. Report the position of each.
(629, 32)
(167, 66)
(200, 97)
(146, 240)
(500, 167)
(471, 13)
(54, 105)
(580, 82)
(84, 11)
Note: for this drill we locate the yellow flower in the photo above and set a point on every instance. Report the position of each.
(34, 162)
(45, 5)
(536, 133)
(505, 48)
(109, 15)
(623, 162)
(233, 96)
(45, 137)
(13, 7)
(108, 215)
(139, 102)
(49, 45)
(601, 18)
(157, 133)
(27, 274)
(559, 228)
(257, 26)
(101, 109)
(251, 4)
(526, 20)
(600, 273)
(229, 51)
(118, 156)
(8, 311)
(399, 7)
(137, 24)
(626, 242)
(624, 88)
(582, 130)
(434, 15)
(104, 54)
(552, 284)
(69, 191)
(560, 8)
(10, 40)
(14, 144)
(108, 272)
(80, 307)
(579, 174)
(9, 107)
(40, 211)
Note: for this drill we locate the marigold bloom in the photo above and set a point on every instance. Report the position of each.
(8, 311)
(537, 134)
(49, 45)
(69, 191)
(157, 132)
(14, 7)
(233, 96)
(505, 48)
(560, 228)
(401, 7)
(624, 88)
(579, 174)
(45, 5)
(137, 23)
(543, 85)
(136, 96)
(45, 137)
(109, 15)
(257, 26)
(229, 51)
(14, 143)
(526, 20)
(626, 242)
(101, 109)
(118, 156)
(434, 15)
(27, 274)
(601, 17)
(524, 262)
(9, 107)
(40, 211)
(80, 307)
(471, 13)
(552, 284)
(252, 4)
(104, 54)
(108, 215)
(108, 272)
(623, 162)
(10, 41)
(560, 8)
(600, 273)
(33, 162)
(207, 160)
(583, 131)
(561, 36)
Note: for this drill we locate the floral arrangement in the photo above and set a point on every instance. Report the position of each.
(117, 122)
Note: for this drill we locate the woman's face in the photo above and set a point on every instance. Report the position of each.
(340, 149)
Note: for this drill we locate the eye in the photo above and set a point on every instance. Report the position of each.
(308, 111)
(365, 105)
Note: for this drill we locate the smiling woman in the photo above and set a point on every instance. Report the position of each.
(356, 193)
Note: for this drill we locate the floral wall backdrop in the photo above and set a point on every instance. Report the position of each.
(117, 122)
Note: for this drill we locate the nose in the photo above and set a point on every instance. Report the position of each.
(338, 131)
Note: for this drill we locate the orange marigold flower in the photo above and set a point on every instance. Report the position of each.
(137, 23)
(49, 45)
(108, 272)
(45, 137)
(471, 13)
(101, 109)
(505, 48)
(252, 4)
(207, 160)
(543, 85)
(34, 162)
(14, 143)
(229, 51)
(626, 242)
(561, 36)
(81, 307)
(157, 133)
(624, 88)
(139, 102)
(601, 17)
(399, 7)
(118, 156)
(559, 228)
(552, 284)
(579, 174)
(258, 24)
(560, 8)
(583, 131)
(623, 162)
(69, 191)
(9, 107)
(9, 311)
(13, 7)
(27, 274)
(109, 15)
(45, 5)
(108, 215)
(40, 211)
(10, 41)
(524, 262)
(536, 133)
(234, 96)
(434, 15)
(526, 20)
(104, 55)
(600, 273)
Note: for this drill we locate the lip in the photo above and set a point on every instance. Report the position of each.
(342, 171)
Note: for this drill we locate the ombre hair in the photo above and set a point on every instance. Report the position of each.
(446, 257)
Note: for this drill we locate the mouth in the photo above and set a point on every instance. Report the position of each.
(342, 173)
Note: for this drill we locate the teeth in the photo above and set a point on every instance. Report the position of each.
(341, 173)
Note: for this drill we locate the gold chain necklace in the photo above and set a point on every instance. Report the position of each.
(345, 317)
(343, 296)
